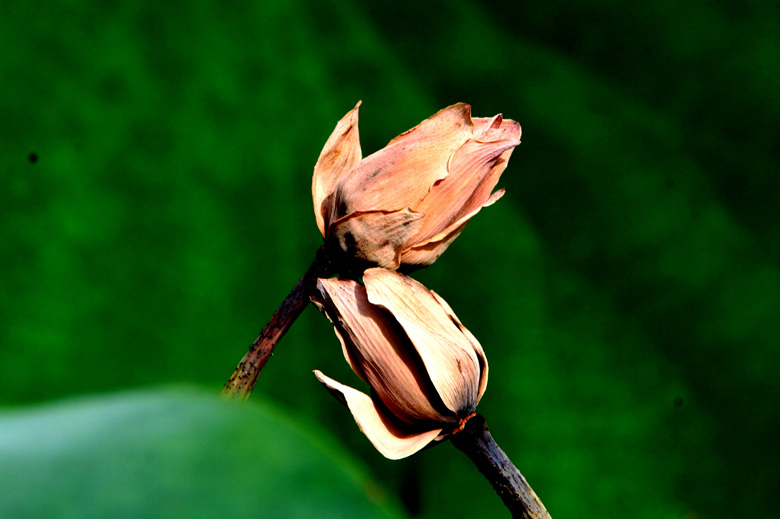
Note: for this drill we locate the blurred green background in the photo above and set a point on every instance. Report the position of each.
(155, 168)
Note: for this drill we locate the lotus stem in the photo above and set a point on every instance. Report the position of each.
(478, 444)
(246, 374)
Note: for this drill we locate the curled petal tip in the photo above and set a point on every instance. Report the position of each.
(495, 197)
(387, 437)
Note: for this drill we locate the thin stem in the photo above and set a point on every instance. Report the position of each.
(478, 444)
(245, 376)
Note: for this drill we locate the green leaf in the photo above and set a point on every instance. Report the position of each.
(170, 454)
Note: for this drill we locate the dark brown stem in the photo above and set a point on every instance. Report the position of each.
(245, 376)
(476, 441)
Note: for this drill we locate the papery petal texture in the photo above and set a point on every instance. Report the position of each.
(478, 350)
(430, 250)
(448, 355)
(392, 441)
(442, 171)
(376, 236)
(474, 172)
(384, 359)
(406, 169)
(495, 128)
(340, 154)
(427, 372)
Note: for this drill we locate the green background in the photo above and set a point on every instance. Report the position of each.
(626, 289)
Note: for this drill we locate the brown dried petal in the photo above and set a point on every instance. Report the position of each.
(482, 196)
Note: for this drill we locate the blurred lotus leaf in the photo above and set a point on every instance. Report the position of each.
(171, 454)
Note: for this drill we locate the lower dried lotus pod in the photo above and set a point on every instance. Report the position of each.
(427, 372)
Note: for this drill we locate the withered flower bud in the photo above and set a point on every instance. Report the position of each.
(407, 202)
(427, 372)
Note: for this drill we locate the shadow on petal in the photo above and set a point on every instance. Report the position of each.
(449, 358)
(375, 236)
(381, 353)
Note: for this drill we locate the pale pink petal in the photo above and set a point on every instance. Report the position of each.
(474, 171)
(492, 200)
(483, 378)
(495, 129)
(482, 194)
(482, 125)
(392, 442)
(386, 361)
(340, 154)
(429, 251)
(376, 236)
(345, 350)
(400, 175)
(440, 122)
(453, 230)
(449, 357)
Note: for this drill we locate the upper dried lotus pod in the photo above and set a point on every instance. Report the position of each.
(407, 202)
(427, 372)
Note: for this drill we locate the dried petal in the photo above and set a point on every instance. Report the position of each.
(483, 377)
(429, 251)
(444, 169)
(456, 227)
(474, 172)
(400, 175)
(345, 349)
(449, 357)
(376, 236)
(393, 442)
(340, 154)
(495, 128)
(483, 125)
(386, 361)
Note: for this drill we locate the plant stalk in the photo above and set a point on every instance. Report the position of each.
(478, 444)
(246, 374)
